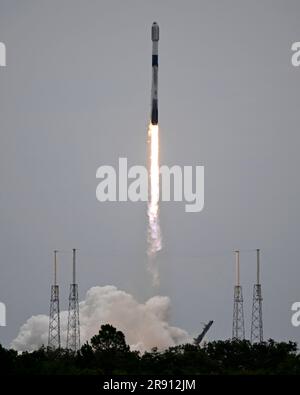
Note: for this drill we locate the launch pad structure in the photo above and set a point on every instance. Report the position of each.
(238, 325)
(73, 329)
(257, 320)
(73, 333)
(54, 316)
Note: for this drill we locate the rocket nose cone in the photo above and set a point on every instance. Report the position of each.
(155, 32)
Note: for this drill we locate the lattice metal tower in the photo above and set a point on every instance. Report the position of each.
(257, 321)
(73, 334)
(238, 326)
(54, 317)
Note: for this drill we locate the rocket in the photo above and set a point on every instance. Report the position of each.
(154, 88)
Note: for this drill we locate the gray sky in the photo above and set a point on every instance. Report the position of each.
(75, 95)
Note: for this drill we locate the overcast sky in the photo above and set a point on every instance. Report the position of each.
(75, 95)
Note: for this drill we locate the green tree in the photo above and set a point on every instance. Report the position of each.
(109, 339)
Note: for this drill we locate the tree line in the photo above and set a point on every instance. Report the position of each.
(108, 354)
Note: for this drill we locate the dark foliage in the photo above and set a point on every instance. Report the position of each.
(109, 354)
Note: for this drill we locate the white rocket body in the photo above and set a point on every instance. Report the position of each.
(154, 88)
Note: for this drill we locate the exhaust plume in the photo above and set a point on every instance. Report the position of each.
(145, 325)
(154, 232)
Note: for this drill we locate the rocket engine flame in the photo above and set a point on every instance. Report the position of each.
(154, 232)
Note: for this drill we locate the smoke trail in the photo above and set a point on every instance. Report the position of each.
(154, 232)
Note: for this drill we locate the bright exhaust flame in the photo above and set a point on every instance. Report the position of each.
(154, 233)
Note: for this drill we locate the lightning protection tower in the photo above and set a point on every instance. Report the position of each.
(73, 333)
(257, 321)
(54, 317)
(238, 327)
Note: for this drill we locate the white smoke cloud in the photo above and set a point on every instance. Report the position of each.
(145, 325)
